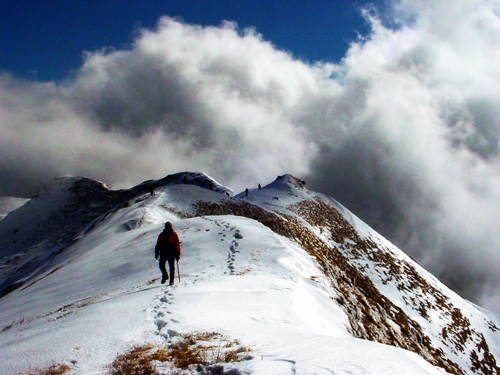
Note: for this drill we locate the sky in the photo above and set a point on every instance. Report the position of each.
(391, 108)
(45, 40)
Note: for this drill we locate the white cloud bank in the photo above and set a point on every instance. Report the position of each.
(404, 131)
(183, 98)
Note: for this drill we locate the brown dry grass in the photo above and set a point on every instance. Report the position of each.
(57, 369)
(194, 350)
(206, 348)
(137, 361)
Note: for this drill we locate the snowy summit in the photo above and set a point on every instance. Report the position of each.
(276, 279)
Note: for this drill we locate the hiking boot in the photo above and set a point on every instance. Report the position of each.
(164, 279)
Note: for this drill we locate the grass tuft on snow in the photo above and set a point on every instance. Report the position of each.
(57, 369)
(137, 361)
(196, 351)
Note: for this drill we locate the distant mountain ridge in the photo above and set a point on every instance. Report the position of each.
(387, 297)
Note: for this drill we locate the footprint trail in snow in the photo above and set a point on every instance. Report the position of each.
(163, 314)
(226, 229)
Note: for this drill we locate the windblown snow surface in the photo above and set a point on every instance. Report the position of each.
(80, 285)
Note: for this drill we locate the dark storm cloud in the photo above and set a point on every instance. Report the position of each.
(404, 131)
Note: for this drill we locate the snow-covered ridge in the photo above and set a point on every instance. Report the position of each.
(187, 178)
(61, 213)
(290, 271)
(386, 295)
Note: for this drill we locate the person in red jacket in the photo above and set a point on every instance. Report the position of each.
(168, 248)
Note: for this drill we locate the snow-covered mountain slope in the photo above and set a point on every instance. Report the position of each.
(9, 204)
(34, 235)
(289, 273)
(387, 296)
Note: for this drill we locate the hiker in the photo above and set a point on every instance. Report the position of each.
(168, 248)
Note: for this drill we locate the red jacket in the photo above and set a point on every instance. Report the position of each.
(168, 243)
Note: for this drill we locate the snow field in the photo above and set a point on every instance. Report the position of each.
(103, 296)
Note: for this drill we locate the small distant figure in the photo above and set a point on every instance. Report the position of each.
(168, 249)
(185, 180)
(246, 192)
(260, 187)
(151, 190)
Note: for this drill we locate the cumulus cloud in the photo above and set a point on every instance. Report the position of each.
(183, 98)
(404, 131)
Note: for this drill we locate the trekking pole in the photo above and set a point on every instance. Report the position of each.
(178, 270)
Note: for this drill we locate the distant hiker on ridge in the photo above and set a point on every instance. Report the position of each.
(168, 248)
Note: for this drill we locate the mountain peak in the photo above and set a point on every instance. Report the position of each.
(287, 181)
(284, 190)
(72, 183)
(189, 178)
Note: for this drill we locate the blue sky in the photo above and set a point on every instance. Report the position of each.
(45, 39)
